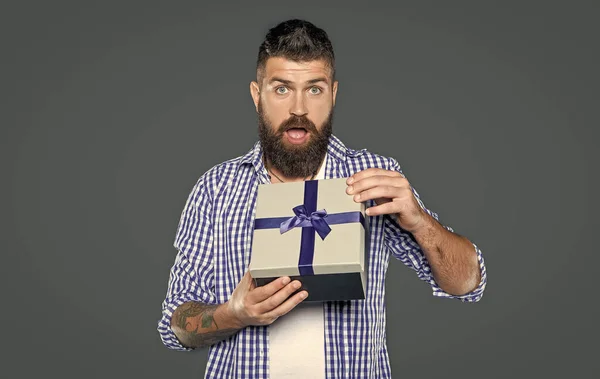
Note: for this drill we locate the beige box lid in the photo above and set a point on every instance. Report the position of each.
(275, 254)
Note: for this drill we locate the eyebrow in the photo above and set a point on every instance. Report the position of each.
(288, 82)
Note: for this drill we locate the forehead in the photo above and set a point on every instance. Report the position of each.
(296, 71)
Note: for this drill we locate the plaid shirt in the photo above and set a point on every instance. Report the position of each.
(213, 242)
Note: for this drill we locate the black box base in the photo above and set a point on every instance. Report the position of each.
(326, 287)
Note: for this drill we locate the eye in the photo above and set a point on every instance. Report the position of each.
(277, 90)
(315, 90)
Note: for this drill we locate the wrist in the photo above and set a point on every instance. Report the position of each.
(418, 227)
(425, 227)
(232, 319)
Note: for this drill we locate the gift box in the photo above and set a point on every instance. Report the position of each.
(312, 231)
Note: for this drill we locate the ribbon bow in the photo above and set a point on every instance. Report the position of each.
(303, 219)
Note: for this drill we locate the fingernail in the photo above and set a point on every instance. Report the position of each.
(303, 295)
(350, 189)
(285, 280)
(350, 180)
(357, 197)
(297, 285)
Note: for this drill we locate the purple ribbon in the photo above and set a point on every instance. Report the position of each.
(310, 220)
(303, 219)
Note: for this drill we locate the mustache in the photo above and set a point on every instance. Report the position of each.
(297, 122)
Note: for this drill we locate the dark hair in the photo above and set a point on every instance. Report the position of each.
(296, 40)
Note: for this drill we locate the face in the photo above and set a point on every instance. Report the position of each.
(295, 110)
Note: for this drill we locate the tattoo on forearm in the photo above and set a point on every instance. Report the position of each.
(208, 319)
(191, 318)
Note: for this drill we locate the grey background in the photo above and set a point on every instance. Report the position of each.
(112, 110)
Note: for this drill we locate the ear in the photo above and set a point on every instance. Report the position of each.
(335, 88)
(255, 93)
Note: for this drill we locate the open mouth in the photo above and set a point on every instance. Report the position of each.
(296, 135)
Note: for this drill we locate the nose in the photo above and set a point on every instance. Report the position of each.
(299, 106)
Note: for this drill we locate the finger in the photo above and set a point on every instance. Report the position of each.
(261, 293)
(287, 306)
(383, 209)
(279, 297)
(374, 181)
(380, 192)
(372, 172)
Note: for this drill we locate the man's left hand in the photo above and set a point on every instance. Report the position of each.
(392, 193)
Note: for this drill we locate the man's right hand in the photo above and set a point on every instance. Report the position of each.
(251, 305)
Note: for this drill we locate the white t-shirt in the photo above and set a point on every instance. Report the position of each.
(297, 339)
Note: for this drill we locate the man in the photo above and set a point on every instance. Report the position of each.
(262, 332)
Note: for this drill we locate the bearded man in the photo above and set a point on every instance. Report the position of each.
(267, 331)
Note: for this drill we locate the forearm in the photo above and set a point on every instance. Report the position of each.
(452, 257)
(199, 325)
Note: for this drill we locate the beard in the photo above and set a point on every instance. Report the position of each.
(294, 161)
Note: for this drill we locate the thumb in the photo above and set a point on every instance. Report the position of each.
(251, 285)
(247, 284)
(242, 288)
